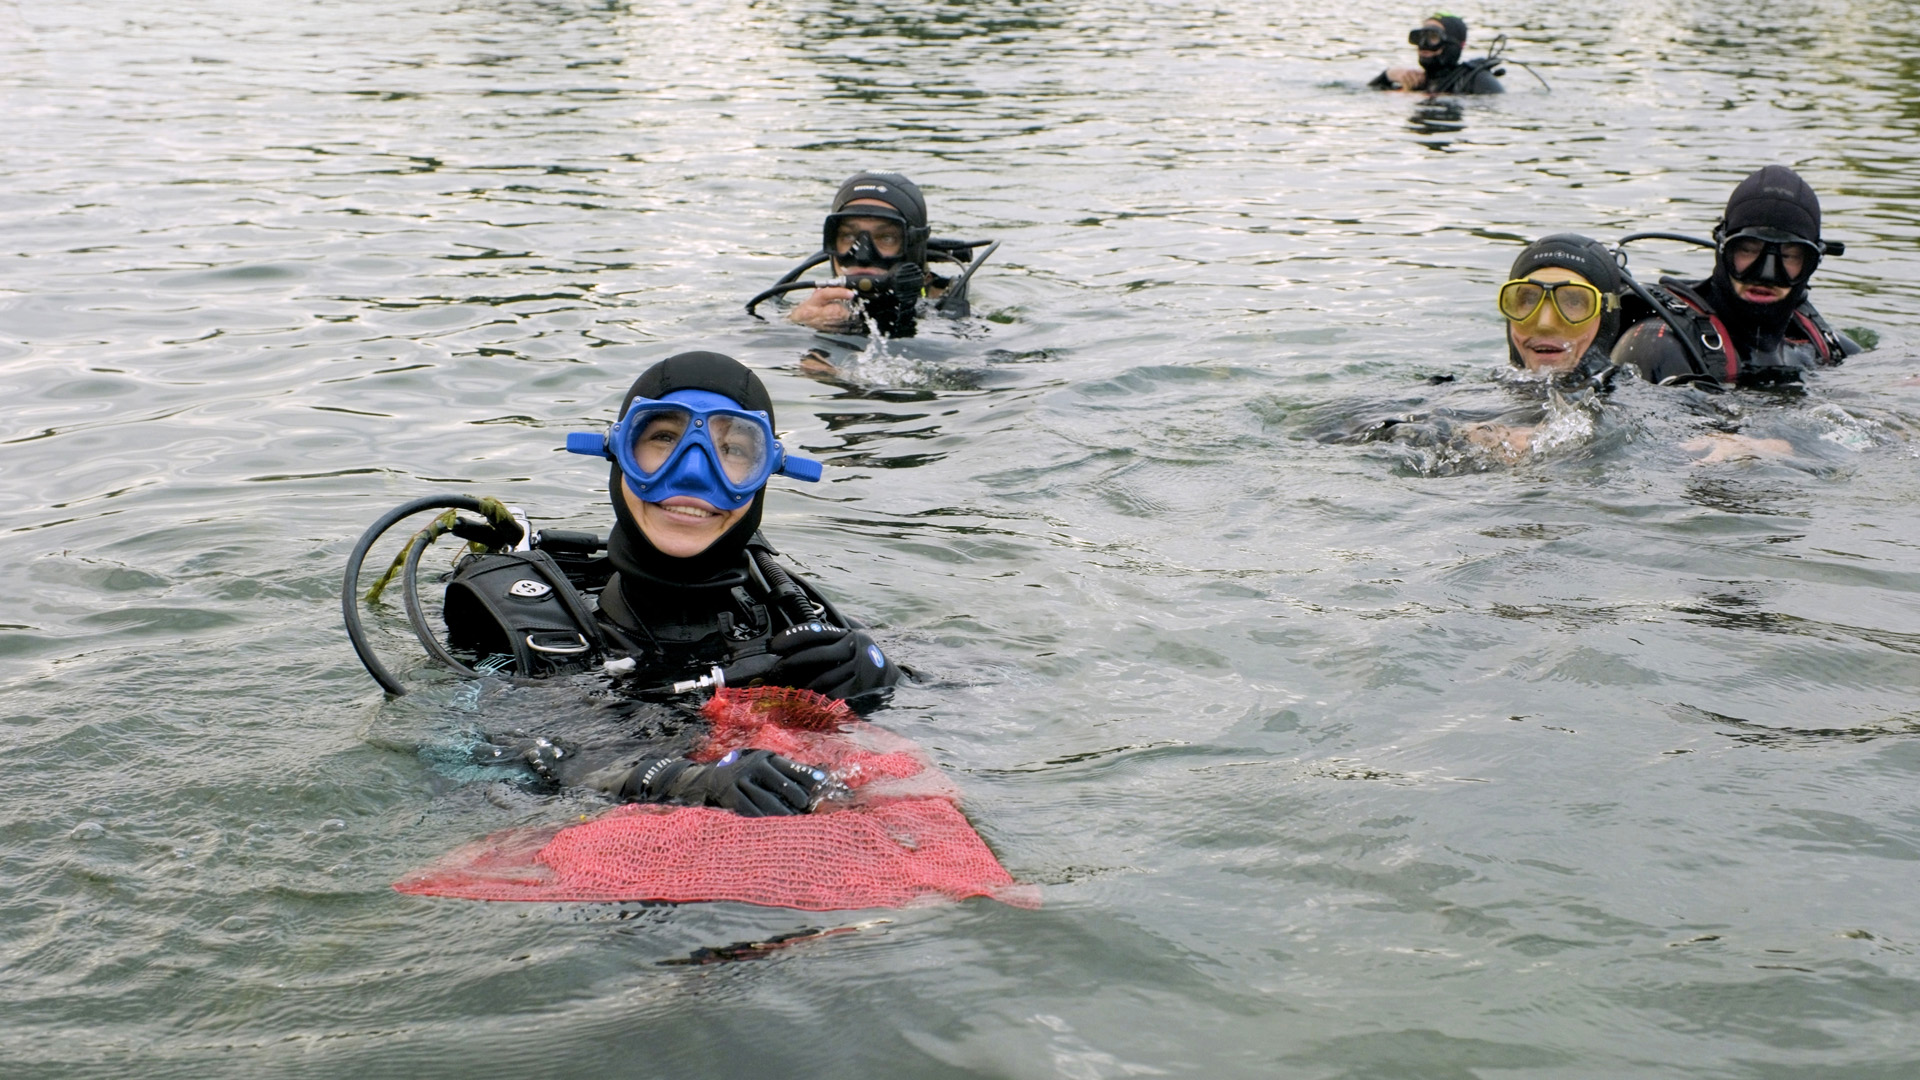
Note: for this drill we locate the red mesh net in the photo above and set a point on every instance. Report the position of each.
(893, 837)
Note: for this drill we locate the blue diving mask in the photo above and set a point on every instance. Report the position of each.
(697, 443)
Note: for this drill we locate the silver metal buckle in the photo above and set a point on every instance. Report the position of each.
(553, 650)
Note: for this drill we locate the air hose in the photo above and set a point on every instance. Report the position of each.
(501, 531)
(783, 287)
(791, 597)
(865, 284)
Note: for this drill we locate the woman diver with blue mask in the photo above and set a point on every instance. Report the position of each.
(689, 595)
(694, 582)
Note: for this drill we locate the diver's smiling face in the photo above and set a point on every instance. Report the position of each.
(682, 526)
(1545, 342)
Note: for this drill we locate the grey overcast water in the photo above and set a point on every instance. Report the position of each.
(1335, 753)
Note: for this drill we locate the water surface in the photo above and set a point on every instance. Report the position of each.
(1334, 758)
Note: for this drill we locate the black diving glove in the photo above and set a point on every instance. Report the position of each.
(751, 783)
(830, 660)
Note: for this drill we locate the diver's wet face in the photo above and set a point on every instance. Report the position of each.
(1561, 324)
(1428, 41)
(682, 526)
(867, 244)
(1765, 269)
(711, 443)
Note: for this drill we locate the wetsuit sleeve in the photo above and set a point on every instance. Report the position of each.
(1651, 349)
(1381, 82)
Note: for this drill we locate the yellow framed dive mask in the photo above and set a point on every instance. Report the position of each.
(1576, 302)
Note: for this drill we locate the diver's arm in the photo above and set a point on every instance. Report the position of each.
(1412, 78)
(827, 308)
(1510, 443)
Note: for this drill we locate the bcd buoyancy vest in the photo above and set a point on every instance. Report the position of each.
(1711, 350)
(519, 614)
(1464, 77)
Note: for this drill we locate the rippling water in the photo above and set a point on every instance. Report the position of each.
(1334, 757)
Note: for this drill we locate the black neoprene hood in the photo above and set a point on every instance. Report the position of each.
(1773, 198)
(709, 371)
(889, 187)
(1571, 251)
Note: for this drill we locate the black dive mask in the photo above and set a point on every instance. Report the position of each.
(1764, 256)
(1429, 38)
(864, 251)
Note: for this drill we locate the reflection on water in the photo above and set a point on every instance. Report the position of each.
(1438, 116)
(1345, 744)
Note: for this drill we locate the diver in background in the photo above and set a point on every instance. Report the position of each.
(1749, 323)
(1439, 40)
(880, 249)
(877, 228)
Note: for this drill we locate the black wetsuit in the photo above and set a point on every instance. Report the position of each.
(1468, 77)
(1717, 339)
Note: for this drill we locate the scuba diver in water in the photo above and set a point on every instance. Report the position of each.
(1562, 303)
(1749, 323)
(687, 585)
(877, 242)
(1562, 300)
(1438, 41)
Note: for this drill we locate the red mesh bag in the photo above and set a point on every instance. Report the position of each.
(894, 836)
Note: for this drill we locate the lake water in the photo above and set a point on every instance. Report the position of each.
(1333, 757)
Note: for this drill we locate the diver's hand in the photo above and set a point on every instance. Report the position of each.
(1412, 78)
(536, 752)
(829, 308)
(751, 783)
(830, 660)
(1509, 444)
(1718, 447)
